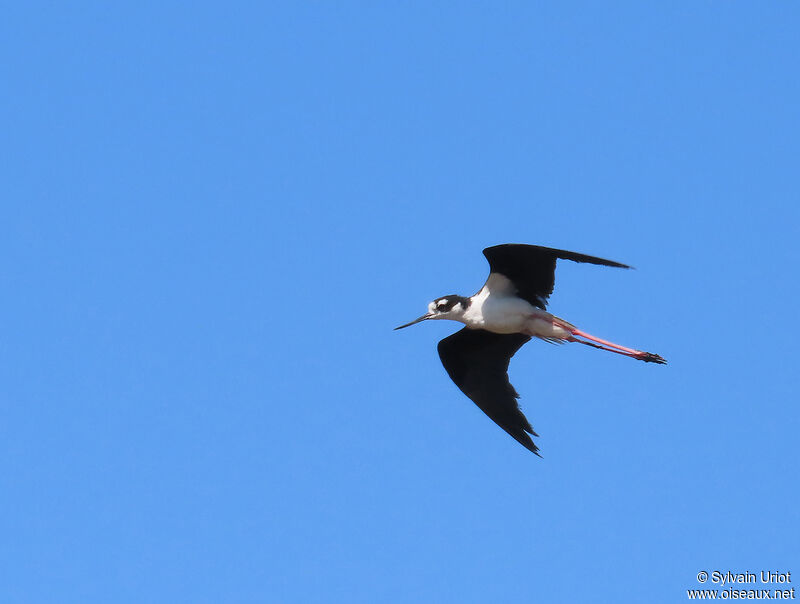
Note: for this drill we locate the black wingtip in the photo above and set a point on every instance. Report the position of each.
(527, 442)
(613, 264)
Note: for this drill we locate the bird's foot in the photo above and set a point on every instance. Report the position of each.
(649, 357)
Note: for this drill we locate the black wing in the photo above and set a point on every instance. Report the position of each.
(532, 269)
(477, 361)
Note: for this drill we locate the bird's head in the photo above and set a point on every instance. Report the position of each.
(447, 307)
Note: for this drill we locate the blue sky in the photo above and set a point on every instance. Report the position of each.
(214, 216)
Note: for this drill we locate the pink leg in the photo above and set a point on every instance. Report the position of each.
(582, 334)
(648, 357)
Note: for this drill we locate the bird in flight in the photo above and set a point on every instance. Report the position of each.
(508, 311)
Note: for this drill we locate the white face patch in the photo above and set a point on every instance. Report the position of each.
(451, 308)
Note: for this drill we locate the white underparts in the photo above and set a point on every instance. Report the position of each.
(549, 328)
(496, 308)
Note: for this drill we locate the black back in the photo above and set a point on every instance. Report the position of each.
(532, 268)
(477, 361)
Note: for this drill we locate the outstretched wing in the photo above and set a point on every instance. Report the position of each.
(477, 361)
(532, 269)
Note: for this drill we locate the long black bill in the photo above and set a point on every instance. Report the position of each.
(422, 318)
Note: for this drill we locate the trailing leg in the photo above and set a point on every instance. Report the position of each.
(647, 357)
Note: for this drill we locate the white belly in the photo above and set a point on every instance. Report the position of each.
(509, 314)
(506, 315)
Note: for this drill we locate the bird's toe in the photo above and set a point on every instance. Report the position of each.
(649, 357)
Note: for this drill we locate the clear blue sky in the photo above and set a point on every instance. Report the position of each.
(213, 216)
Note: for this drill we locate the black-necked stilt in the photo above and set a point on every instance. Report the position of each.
(507, 311)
